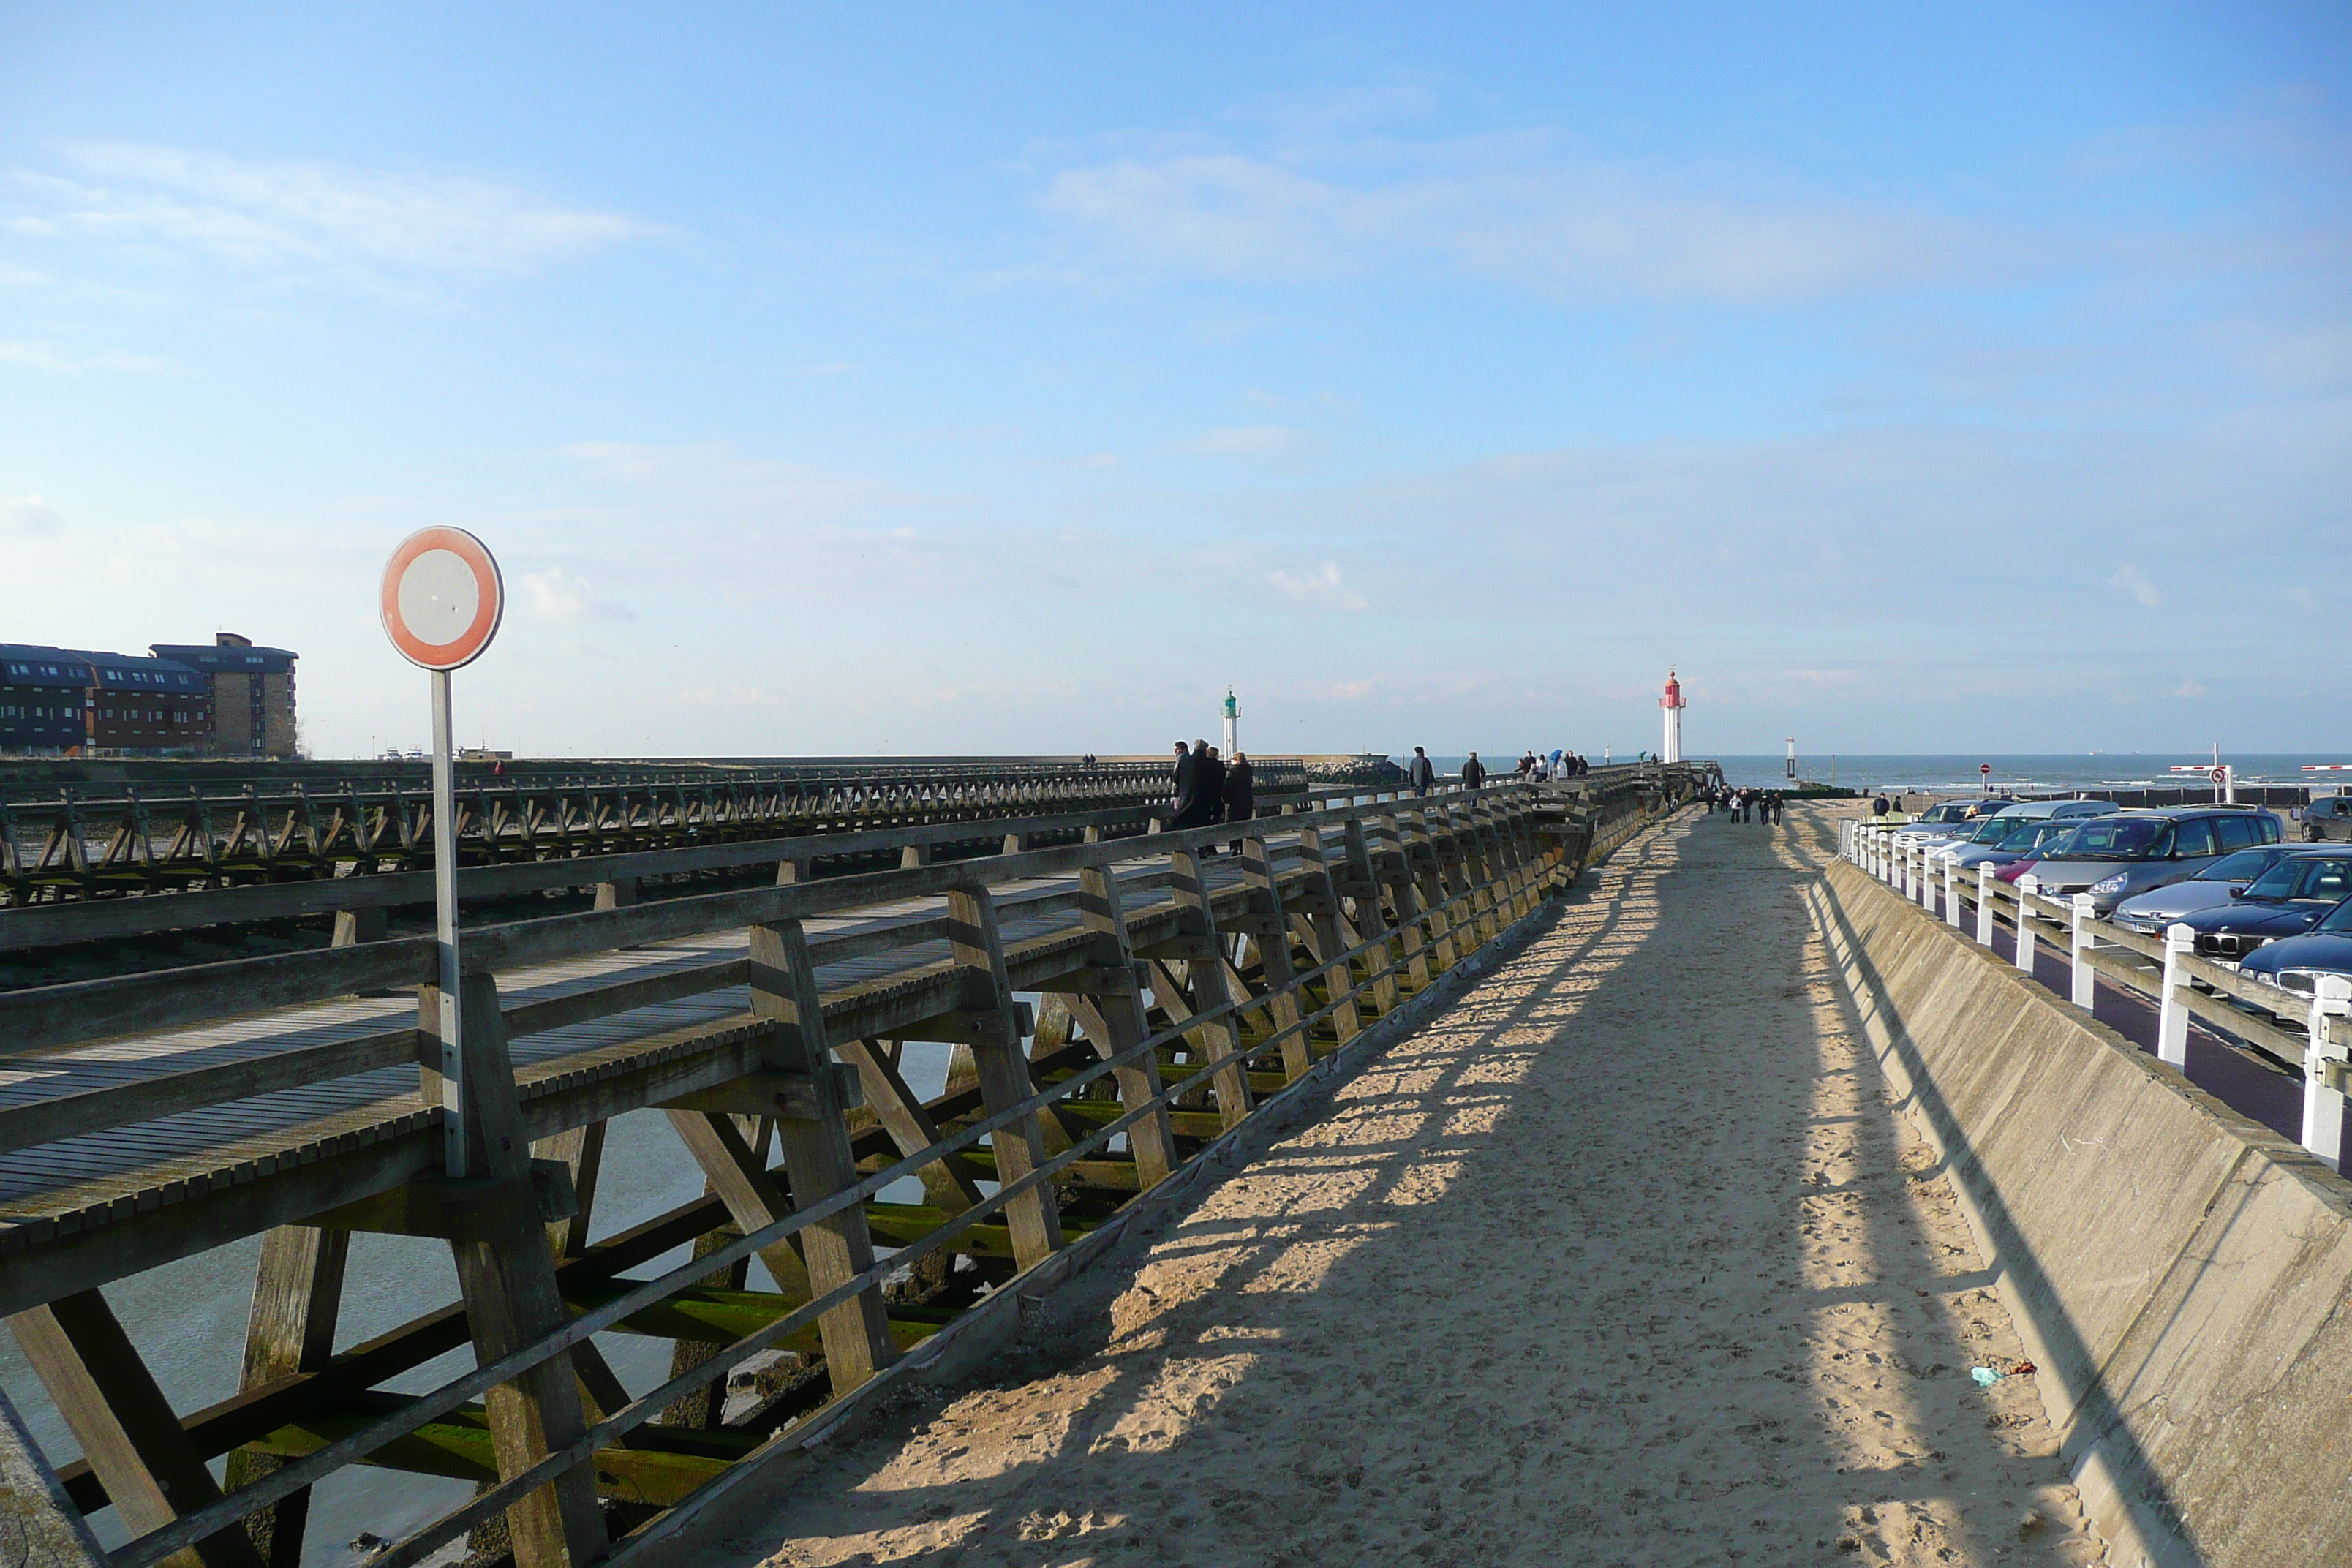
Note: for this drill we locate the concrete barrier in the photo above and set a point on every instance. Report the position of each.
(2179, 1273)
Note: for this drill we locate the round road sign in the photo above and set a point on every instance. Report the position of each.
(442, 598)
(2221, 774)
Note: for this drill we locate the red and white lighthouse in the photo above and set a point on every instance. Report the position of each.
(1673, 704)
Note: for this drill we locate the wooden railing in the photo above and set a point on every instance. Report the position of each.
(2304, 1035)
(75, 845)
(1186, 984)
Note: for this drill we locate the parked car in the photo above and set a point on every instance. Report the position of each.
(2114, 856)
(1951, 818)
(2296, 963)
(2021, 838)
(2286, 901)
(2329, 817)
(2152, 911)
(1997, 837)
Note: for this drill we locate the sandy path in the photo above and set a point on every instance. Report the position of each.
(1625, 1260)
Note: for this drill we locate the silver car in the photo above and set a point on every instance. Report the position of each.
(1951, 819)
(2127, 853)
(2216, 885)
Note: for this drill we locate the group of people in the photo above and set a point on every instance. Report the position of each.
(1759, 805)
(1210, 790)
(1561, 764)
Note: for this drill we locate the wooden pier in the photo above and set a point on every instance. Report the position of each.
(1183, 976)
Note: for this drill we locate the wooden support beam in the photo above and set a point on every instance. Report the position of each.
(355, 926)
(798, 1094)
(950, 1185)
(297, 1291)
(986, 989)
(818, 1156)
(1371, 921)
(1396, 871)
(581, 1152)
(1323, 938)
(508, 1287)
(468, 1208)
(126, 1427)
(1218, 1036)
(1114, 1022)
(1274, 957)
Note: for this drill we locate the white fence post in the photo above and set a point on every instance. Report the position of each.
(2085, 912)
(2172, 1012)
(1926, 878)
(1903, 860)
(1984, 904)
(1952, 891)
(2325, 1067)
(2026, 888)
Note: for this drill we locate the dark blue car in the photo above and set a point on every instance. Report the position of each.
(2286, 901)
(2296, 963)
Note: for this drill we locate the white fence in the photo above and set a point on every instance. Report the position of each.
(2309, 1037)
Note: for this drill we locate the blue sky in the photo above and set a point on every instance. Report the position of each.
(1013, 379)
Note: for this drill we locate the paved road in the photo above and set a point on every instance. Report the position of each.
(1624, 1260)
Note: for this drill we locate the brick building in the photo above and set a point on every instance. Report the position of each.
(252, 693)
(225, 699)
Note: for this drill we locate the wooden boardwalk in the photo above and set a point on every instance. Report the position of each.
(300, 1097)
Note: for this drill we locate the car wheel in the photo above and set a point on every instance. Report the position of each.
(2314, 834)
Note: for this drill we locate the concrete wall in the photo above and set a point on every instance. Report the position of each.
(2180, 1272)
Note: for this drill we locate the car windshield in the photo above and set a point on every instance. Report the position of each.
(2243, 867)
(2050, 835)
(2116, 838)
(2340, 921)
(2278, 882)
(1998, 829)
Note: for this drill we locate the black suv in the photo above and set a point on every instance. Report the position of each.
(2329, 817)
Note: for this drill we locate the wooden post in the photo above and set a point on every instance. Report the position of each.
(1274, 957)
(1370, 922)
(1204, 971)
(355, 926)
(297, 1291)
(126, 1427)
(1034, 1219)
(1114, 1020)
(1394, 865)
(1323, 939)
(510, 1296)
(818, 1156)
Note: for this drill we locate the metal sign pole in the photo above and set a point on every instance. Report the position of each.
(445, 931)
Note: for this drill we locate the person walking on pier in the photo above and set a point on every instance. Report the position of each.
(1212, 782)
(1420, 773)
(1473, 773)
(1881, 807)
(1241, 800)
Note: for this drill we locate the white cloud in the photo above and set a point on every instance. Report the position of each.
(314, 218)
(1519, 209)
(2131, 580)
(1323, 588)
(29, 517)
(556, 594)
(1248, 441)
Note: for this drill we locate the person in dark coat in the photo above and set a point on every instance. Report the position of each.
(1881, 805)
(1186, 803)
(1241, 800)
(1473, 773)
(1213, 792)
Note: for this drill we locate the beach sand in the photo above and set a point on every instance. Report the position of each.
(1627, 1259)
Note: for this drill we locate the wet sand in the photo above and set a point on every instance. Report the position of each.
(1627, 1259)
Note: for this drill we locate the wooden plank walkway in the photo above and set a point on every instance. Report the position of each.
(138, 1165)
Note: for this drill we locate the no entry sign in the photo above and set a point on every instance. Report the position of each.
(442, 598)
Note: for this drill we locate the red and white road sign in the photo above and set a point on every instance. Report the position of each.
(1985, 768)
(442, 598)
(2220, 775)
